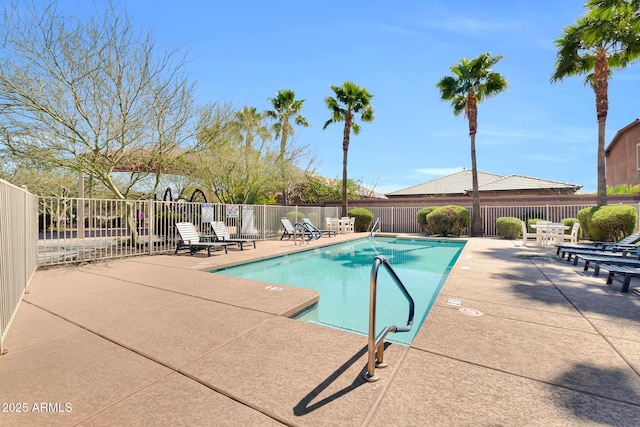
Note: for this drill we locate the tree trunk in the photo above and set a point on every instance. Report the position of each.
(471, 109)
(476, 219)
(345, 151)
(283, 146)
(601, 89)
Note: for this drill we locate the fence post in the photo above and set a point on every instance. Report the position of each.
(150, 209)
(25, 238)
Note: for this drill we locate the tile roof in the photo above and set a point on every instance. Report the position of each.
(461, 183)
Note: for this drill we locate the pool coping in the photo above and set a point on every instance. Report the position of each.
(551, 345)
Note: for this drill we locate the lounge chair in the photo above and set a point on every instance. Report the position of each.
(221, 234)
(604, 257)
(597, 260)
(297, 230)
(190, 239)
(628, 243)
(329, 232)
(620, 251)
(578, 255)
(626, 271)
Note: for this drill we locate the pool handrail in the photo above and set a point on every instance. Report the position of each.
(312, 229)
(372, 233)
(305, 228)
(376, 344)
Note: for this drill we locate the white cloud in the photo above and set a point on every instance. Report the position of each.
(438, 171)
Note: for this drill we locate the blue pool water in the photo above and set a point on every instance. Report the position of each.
(341, 274)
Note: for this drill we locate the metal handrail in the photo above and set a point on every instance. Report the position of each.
(376, 344)
(373, 227)
(312, 229)
(305, 228)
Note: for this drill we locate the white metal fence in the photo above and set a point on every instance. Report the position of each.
(403, 219)
(49, 231)
(18, 242)
(74, 230)
(119, 228)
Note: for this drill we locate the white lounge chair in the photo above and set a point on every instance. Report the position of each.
(329, 231)
(297, 230)
(222, 234)
(190, 239)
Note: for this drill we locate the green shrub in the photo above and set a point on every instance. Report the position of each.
(509, 227)
(612, 223)
(313, 217)
(364, 219)
(446, 220)
(584, 216)
(295, 216)
(421, 216)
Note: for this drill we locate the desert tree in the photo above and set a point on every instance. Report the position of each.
(92, 96)
(234, 158)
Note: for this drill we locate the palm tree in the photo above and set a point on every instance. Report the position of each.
(472, 82)
(249, 125)
(602, 39)
(286, 108)
(350, 99)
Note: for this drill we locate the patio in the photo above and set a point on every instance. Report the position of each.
(516, 337)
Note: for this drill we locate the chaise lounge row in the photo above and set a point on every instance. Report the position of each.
(191, 240)
(621, 258)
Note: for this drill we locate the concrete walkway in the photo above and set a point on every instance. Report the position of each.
(535, 341)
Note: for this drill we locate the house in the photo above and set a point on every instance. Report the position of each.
(489, 184)
(622, 156)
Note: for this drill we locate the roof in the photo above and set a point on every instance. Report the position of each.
(520, 182)
(619, 134)
(460, 183)
(457, 183)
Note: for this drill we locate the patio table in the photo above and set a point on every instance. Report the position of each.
(550, 232)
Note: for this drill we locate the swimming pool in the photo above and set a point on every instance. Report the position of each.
(341, 274)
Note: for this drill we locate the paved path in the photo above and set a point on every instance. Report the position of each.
(156, 341)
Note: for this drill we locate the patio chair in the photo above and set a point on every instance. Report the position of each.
(190, 239)
(320, 232)
(347, 224)
(332, 224)
(221, 234)
(297, 230)
(526, 235)
(573, 236)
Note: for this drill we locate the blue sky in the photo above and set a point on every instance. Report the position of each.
(244, 51)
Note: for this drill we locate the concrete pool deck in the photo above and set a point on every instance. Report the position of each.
(158, 341)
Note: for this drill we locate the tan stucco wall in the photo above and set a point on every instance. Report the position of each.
(622, 159)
